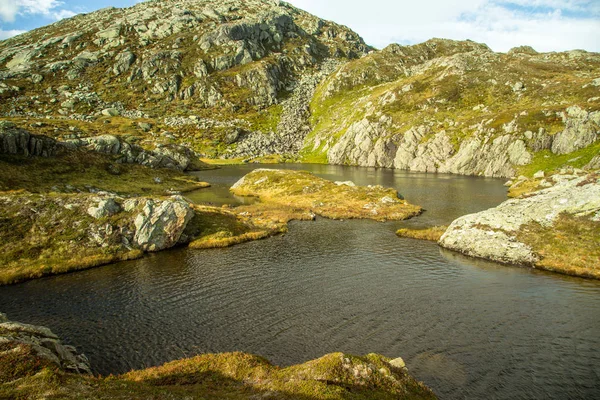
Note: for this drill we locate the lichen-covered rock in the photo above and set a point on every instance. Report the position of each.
(105, 208)
(161, 223)
(493, 234)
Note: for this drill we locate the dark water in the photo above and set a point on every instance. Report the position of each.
(469, 329)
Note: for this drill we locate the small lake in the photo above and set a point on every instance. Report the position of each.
(469, 329)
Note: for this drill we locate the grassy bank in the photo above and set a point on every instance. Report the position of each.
(216, 376)
(82, 171)
(299, 190)
(49, 234)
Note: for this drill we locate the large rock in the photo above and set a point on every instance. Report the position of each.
(492, 234)
(161, 223)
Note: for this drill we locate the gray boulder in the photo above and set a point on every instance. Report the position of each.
(161, 223)
(106, 208)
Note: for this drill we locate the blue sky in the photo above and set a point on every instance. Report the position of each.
(546, 25)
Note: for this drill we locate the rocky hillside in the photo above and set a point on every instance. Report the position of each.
(458, 107)
(199, 72)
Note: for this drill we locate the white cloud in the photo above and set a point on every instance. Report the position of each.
(9, 9)
(9, 34)
(546, 25)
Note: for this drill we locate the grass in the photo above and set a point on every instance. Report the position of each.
(546, 161)
(433, 234)
(233, 376)
(299, 190)
(218, 227)
(82, 170)
(50, 234)
(571, 246)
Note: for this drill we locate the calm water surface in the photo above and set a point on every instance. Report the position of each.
(469, 329)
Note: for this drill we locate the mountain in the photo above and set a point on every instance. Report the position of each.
(247, 79)
(207, 72)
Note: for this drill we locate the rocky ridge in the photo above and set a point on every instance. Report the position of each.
(17, 141)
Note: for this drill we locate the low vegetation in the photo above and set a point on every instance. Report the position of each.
(218, 376)
(299, 190)
(433, 234)
(571, 246)
(80, 171)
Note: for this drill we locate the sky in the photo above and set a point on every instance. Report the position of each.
(546, 25)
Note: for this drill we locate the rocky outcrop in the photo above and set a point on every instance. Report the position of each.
(371, 144)
(494, 234)
(175, 157)
(81, 230)
(582, 129)
(18, 141)
(41, 343)
(21, 142)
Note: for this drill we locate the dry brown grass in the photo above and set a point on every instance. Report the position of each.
(433, 234)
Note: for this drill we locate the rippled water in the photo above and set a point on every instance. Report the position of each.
(467, 328)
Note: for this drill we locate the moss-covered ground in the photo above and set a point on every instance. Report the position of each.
(571, 246)
(299, 190)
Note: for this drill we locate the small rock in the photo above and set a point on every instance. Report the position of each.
(398, 363)
(345, 183)
(111, 112)
(105, 208)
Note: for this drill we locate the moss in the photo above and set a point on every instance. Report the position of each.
(233, 376)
